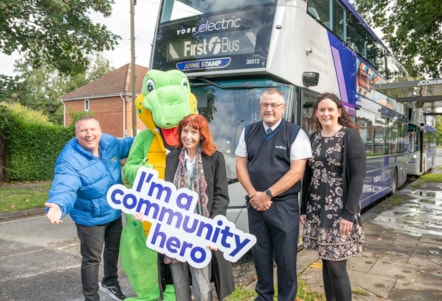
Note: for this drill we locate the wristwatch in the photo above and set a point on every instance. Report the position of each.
(269, 193)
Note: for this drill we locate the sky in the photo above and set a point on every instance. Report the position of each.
(119, 23)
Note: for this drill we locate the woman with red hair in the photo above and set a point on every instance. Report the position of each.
(197, 165)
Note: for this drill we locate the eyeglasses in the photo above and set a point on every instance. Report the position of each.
(272, 105)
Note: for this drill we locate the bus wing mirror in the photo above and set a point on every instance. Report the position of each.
(310, 79)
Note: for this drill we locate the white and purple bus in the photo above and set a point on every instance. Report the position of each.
(233, 50)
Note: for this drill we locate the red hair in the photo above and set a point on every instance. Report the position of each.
(199, 123)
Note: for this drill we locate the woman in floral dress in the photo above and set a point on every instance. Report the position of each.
(332, 186)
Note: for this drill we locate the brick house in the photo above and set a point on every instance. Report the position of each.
(109, 98)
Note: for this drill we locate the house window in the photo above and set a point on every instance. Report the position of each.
(86, 105)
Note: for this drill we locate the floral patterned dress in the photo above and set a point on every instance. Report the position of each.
(325, 202)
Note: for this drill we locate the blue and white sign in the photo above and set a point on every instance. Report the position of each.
(176, 230)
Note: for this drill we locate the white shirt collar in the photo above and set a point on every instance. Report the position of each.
(273, 127)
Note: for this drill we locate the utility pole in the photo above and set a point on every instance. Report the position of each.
(132, 66)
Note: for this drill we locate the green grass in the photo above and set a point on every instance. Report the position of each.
(431, 177)
(17, 197)
(435, 177)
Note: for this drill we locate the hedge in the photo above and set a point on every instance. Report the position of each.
(31, 143)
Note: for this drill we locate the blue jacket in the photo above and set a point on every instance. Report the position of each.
(81, 180)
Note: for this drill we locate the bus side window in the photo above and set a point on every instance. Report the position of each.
(314, 13)
(340, 21)
(320, 10)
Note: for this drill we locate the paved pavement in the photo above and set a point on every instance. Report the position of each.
(402, 257)
(402, 254)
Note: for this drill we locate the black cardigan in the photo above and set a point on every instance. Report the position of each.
(353, 175)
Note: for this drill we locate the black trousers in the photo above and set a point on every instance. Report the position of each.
(92, 239)
(277, 231)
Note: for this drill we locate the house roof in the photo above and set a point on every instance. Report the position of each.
(116, 82)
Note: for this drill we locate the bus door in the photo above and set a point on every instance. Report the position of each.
(414, 167)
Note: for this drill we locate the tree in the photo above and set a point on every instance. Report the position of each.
(57, 33)
(412, 29)
(7, 86)
(40, 88)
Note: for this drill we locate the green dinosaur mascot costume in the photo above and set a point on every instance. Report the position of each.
(164, 101)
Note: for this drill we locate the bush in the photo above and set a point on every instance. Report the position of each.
(32, 143)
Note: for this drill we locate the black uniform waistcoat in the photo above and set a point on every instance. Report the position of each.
(269, 155)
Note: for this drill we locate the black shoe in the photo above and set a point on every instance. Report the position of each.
(113, 291)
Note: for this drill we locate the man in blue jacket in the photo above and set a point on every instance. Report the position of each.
(85, 169)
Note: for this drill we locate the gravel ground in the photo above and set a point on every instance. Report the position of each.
(244, 271)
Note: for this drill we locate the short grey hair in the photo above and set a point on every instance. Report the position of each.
(272, 91)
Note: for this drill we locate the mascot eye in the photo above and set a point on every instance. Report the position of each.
(150, 85)
(184, 82)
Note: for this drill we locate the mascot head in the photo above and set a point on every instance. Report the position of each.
(165, 99)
